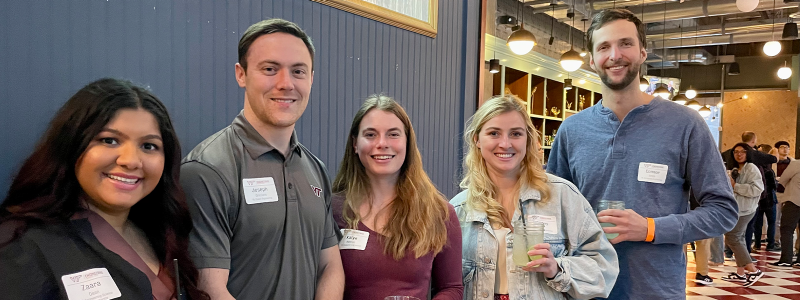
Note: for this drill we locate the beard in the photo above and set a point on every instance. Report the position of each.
(630, 75)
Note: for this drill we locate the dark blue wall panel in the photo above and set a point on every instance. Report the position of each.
(185, 52)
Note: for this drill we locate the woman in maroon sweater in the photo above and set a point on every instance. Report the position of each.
(401, 236)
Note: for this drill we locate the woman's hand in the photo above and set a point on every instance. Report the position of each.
(547, 264)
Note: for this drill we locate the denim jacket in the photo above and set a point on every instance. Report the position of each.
(588, 263)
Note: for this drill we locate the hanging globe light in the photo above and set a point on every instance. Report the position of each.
(784, 72)
(571, 60)
(746, 5)
(772, 48)
(521, 41)
(691, 93)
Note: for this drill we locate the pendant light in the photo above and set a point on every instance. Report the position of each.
(571, 60)
(568, 83)
(680, 99)
(694, 105)
(733, 69)
(789, 31)
(583, 49)
(785, 72)
(494, 65)
(704, 111)
(521, 41)
(643, 83)
(691, 93)
(662, 91)
(772, 47)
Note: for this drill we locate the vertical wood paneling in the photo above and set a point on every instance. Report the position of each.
(185, 52)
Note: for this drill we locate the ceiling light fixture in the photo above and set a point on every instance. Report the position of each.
(662, 92)
(494, 65)
(521, 41)
(643, 84)
(694, 105)
(733, 69)
(571, 60)
(583, 49)
(772, 47)
(789, 31)
(680, 99)
(704, 111)
(784, 72)
(568, 84)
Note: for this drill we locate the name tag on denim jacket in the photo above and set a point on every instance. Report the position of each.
(655, 173)
(550, 226)
(92, 284)
(353, 239)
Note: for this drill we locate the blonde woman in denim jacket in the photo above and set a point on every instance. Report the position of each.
(503, 171)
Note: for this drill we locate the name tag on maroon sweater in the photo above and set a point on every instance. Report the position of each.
(353, 239)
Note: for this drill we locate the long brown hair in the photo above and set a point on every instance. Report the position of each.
(46, 190)
(482, 192)
(419, 212)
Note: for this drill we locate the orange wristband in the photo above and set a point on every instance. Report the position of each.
(651, 230)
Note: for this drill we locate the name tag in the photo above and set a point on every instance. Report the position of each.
(655, 173)
(92, 284)
(550, 225)
(259, 190)
(353, 239)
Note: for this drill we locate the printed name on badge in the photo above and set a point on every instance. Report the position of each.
(259, 190)
(655, 173)
(353, 239)
(550, 225)
(92, 284)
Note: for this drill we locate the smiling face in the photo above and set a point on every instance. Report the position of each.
(740, 154)
(503, 143)
(381, 144)
(617, 55)
(123, 163)
(277, 81)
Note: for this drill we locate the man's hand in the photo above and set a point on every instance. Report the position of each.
(630, 225)
(547, 264)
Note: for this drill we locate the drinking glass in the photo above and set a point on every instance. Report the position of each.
(609, 204)
(525, 237)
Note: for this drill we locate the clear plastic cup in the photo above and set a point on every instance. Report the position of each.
(609, 204)
(525, 237)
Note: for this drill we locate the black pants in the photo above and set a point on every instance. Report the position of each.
(759, 223)
(790, 216)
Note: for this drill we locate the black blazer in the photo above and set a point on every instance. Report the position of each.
(33, 264)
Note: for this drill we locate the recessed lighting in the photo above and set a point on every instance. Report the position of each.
(559, 75)
(582, 81)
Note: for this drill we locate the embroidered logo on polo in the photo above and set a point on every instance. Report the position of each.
(317, 191)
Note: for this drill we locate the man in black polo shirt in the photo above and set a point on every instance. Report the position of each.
(260, 201)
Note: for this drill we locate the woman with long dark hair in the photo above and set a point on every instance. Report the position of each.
(97, 210)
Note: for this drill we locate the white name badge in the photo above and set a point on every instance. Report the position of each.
(353, 239)
(92, 284)
(259, 190)
(655, 173)
(550, 226)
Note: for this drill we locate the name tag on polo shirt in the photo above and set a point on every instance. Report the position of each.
(259, 190)
(353, 239)
(92, 284)
(655, 173)
(550, 226)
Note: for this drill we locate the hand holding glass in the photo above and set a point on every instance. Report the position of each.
(525, 237)
(609, 204)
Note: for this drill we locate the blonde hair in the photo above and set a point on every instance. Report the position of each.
(482, 192)
(419, 212)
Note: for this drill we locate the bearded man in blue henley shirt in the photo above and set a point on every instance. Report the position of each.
(646, 152)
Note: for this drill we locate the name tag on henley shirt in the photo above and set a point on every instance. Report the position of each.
(92, 284)
(259, 190)
(655, 173)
